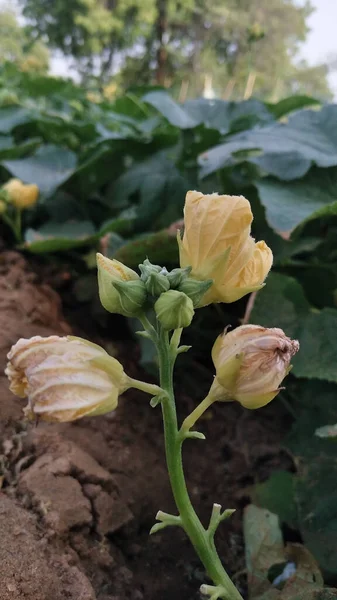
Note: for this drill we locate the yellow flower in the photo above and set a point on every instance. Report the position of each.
(217, 245)
(251, 363)
(65, 378)
(20, 194)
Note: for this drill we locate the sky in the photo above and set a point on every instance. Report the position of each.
(320, 46)
(321, 43)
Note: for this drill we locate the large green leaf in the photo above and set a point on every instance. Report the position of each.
(309, 136)
(288, 204)
(12, 116)
(157, 189)
(315, 483)
(159, 248)
(228, 116)
(278, 495)
(282, 303)
(215, 114)
(53, 237)
(10, 150)
(290, 104)
(318, 338)
(49, 167)
(173, 112)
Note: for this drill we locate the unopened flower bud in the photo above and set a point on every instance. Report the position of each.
(132, 296)
(251, 363)
(195, 289)
(147, 268)
(157, 283)
(174, 310)
(65, 378)
(111, 272)
(21, 195)
(176, 276)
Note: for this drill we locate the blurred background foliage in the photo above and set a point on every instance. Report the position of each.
(113, 162)
(229, 48)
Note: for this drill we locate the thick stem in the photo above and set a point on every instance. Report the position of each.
(173, 445)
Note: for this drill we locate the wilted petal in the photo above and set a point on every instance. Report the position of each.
(251, 363)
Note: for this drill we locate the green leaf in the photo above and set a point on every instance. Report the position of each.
(12, 116)
(281, 303)
(318, 340)
(277, 494)
(53, 237)
(288, 204)
(316, 459)
(159, 188)
(317, 501)
(159, 248)
(287, 105)
(10, 150)
(308, 136)
(49, 168)
(228, 116)
(173, 112)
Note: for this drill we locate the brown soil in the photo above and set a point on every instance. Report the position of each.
(78, 500)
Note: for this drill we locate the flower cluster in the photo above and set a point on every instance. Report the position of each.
(67, 378)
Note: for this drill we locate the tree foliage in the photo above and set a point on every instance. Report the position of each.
(16, 46)
(237, 47)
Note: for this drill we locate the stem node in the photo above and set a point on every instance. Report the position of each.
(216, 518)
(166, 520)
(214, 592)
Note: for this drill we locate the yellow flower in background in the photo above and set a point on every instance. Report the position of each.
(65, 378)
(21, 195)
(251, 363)
(217, 245)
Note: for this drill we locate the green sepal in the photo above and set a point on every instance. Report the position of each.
(146, 268)
(195, 289)
(156, 284)
(176, 276)
(132, 296)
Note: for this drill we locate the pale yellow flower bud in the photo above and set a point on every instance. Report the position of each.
(251, 363)
(110, 272)
(21, 195)
(217, 245)
(65, 378)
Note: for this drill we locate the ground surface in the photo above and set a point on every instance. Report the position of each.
(78, 500)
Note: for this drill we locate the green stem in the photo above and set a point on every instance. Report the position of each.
(191, 523)
(148, 388)
(17, 225)
(196, 414)
(14, 226)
